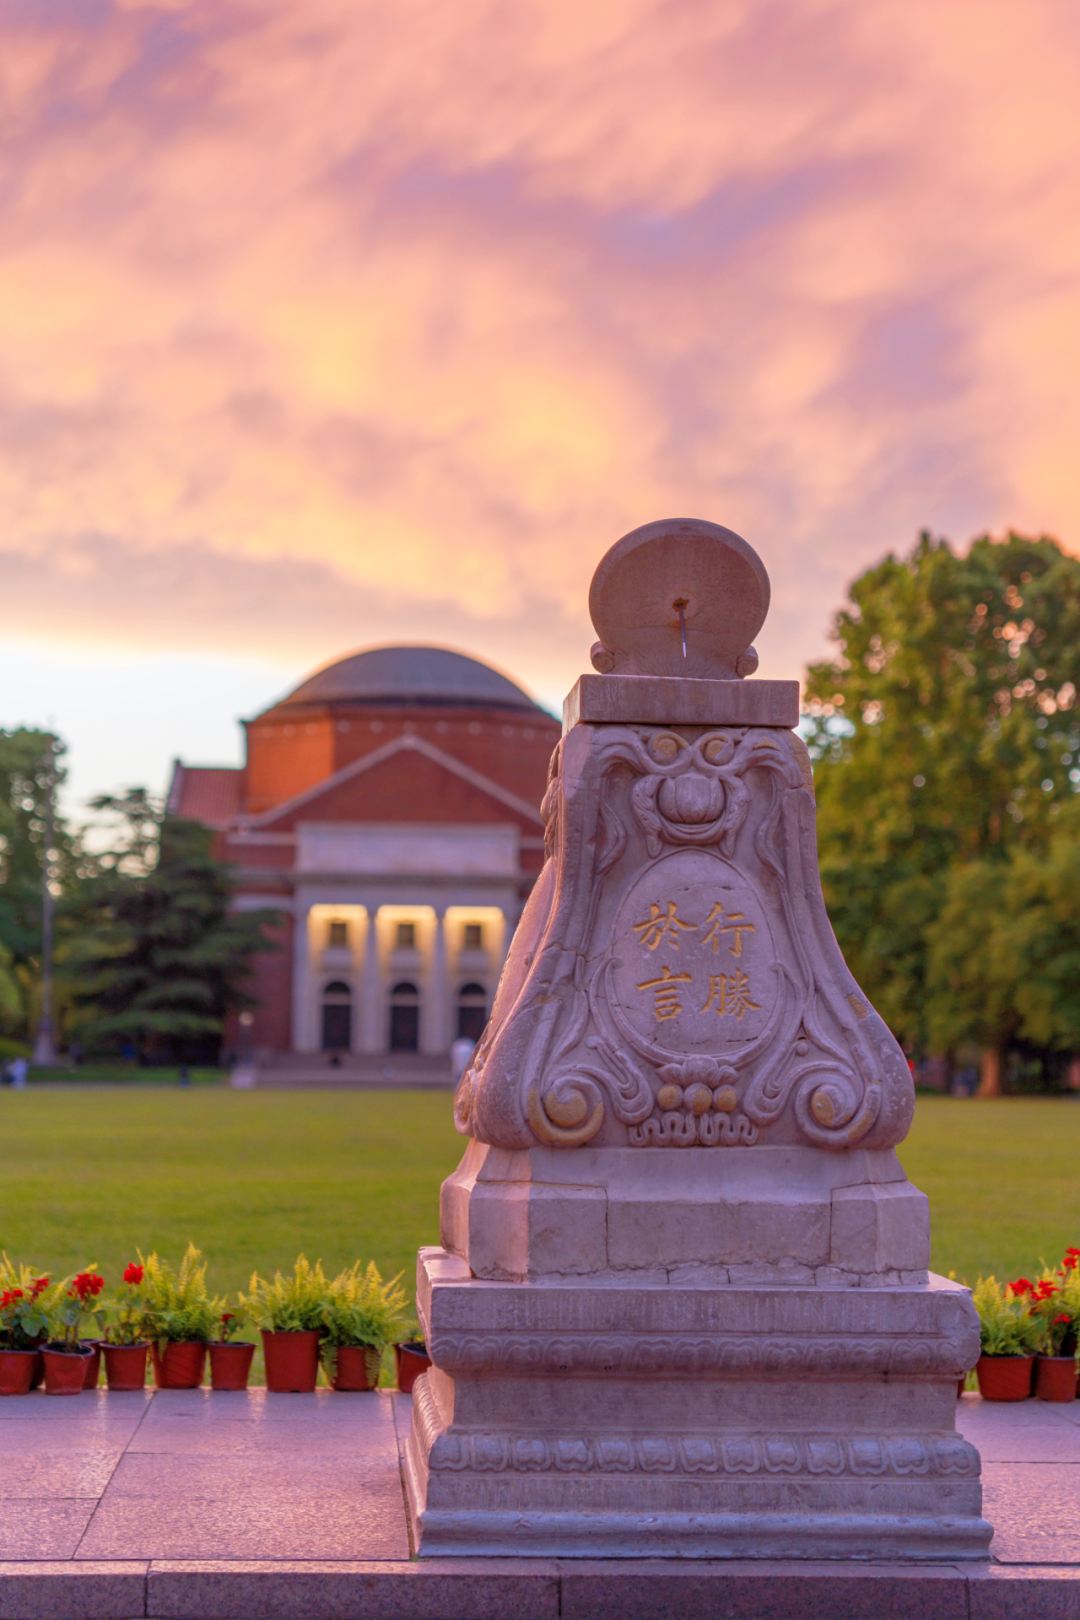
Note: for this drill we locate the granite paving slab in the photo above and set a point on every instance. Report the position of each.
(195, 1505)
(39, 1527)
(39, 1474)
(69, 1591)
(253, 1524)
(1035, 1510)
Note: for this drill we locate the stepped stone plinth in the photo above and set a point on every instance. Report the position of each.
(682, 1306)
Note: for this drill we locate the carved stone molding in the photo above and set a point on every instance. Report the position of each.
(698, 1452)
(682, 1355)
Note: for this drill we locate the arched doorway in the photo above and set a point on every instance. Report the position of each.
(337, 1017)
(472, 1012)
(404, 1018)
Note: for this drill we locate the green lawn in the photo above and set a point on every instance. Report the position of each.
(253, 1178)
(1003, 1179)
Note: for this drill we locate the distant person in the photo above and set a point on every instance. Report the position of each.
(461, 1052)
(20, 1068)
(75, 1052)
(185, 1075)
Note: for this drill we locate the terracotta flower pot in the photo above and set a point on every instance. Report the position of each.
(412, 1360)
(65, 1371)
(125, 1365)
(1005, 1378)
(93, 1363)
(357, 1368)
(1055, 1378)
(16, 1371)
(230, 1365)
(180, 1366)
(292, 1361)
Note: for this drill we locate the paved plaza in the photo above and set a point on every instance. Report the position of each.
(195, 1505)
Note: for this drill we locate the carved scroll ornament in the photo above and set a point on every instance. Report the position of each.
(674, 981)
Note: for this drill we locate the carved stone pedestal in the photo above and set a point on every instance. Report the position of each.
(616, 1420)
(682, 1306)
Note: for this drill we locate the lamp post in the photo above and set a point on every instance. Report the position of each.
(45, 1045)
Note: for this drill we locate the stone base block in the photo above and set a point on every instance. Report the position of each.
(600, 1418)
(780, 1214)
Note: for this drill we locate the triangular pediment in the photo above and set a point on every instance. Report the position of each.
(408, 779)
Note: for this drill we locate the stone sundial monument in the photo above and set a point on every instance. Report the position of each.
(682, 1305)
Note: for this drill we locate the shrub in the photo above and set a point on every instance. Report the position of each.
(70, 1303)
(176, 1306)
(23, 1318)
(1006, 1326)
(1054, 1304)
(128, 1309)
(289, 1304)
(363, 1311)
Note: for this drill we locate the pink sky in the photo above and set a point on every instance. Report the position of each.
(325, 322)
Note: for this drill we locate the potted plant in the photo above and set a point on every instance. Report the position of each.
(1009, 1336)
(361, 1316)
(125, 1346)
(23, 1324)
(410, 1360)
(289, 1314)
(180, 1318)
(230, 1358)
(23, 1277)
(68, 1305)
(1055, 1304)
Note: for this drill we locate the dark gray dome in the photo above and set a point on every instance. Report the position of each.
(427, 676)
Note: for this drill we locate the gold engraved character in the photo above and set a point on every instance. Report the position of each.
(730, 993)
(736, 924)
(666, 1003)
(657, 927)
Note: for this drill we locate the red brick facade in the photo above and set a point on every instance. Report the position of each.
(339, 757)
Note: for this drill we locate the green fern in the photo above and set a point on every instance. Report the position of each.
(292, 1304)
(177, 1307)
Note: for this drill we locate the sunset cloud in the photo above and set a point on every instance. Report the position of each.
(324, 322)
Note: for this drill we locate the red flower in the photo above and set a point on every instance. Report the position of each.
(1021, 1287)
(88, 1284)
(1045, 1290)
(1058, 1319)
(38, 1286)
(133, 1274)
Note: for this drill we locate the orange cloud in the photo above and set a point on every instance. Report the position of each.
(405, 313)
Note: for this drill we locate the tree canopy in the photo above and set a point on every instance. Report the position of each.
(946, 735)
(153, 956)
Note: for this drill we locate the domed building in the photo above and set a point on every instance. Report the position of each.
(389, 808)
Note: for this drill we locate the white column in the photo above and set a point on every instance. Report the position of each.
(373, 1016)
(435, 1014)
(303, 992)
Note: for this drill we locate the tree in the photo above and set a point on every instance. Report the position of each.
(152, 953)
(945, 732)
(29, 769)
(1004, 951)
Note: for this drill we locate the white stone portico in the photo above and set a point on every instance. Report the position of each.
(381, 907)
